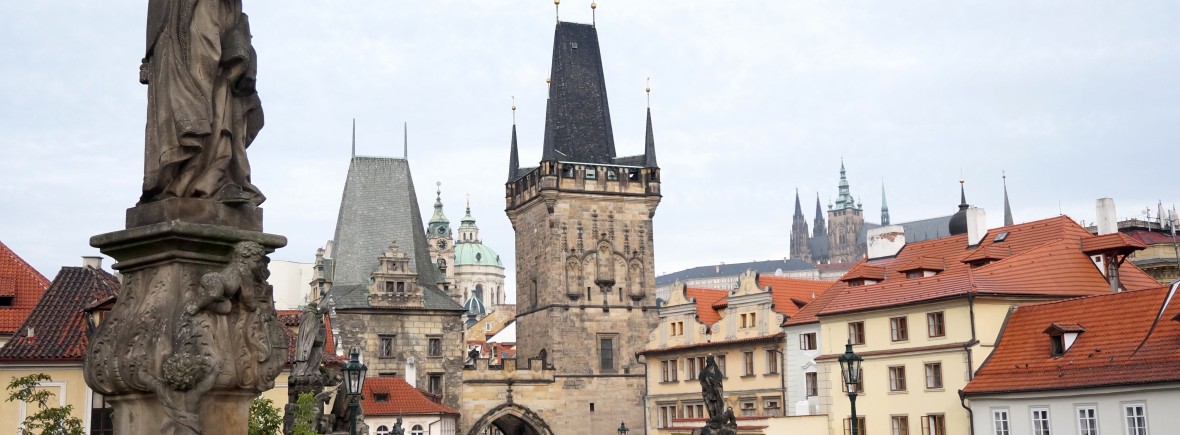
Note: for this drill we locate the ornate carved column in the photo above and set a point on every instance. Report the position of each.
(194, 335)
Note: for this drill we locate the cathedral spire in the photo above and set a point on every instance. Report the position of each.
(798, 208)
(818, 228)
(845, 199)
(884, 206)
(1007, 208)
(649, 150)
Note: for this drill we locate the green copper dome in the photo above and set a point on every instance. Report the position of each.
(476, 254)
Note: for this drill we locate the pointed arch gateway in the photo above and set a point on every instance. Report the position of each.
(511, 419)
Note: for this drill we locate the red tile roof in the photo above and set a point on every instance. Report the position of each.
(784, 292)
(1150, 237)
(25, 284)
(924, 263)
(1112, 242)
(399, 399)
(864, 271)
(1042, 258)
(1103, 355)
(58, 322)
(705, 298)
(761, 338)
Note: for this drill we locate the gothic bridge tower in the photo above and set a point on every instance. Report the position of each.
(584, 254)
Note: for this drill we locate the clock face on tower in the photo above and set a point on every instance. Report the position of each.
(442, 244)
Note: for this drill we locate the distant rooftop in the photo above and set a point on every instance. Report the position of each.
(722, 270)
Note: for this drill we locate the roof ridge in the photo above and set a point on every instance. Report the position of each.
(24, 265)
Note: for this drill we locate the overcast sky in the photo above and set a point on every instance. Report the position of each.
(750, 101)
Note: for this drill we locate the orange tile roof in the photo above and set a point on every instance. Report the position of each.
(710, 344)
(1150, 237)
(1103, 355)
(807, 314)
(864, 271)
(924, 263)
(402, 399)
(785, 291)
(1112, 242)
(58, 322)
(25, 284)
(704, 299)
(1041, 258)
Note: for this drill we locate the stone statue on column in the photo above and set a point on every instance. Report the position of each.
(721, 419)
(194, 335)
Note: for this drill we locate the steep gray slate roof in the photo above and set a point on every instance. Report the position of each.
(379, 206)
(577, 117)
(762, 267)
(916, 231)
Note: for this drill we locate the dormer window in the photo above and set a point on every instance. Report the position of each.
(1062, 336)
(401, 287)
(381, 397)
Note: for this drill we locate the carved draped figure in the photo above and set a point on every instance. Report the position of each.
(203, 109)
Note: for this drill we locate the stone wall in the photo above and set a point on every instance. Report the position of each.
(411, 330)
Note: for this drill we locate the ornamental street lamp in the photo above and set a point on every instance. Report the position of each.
(850, 369)
(623, 428)
(354, 375)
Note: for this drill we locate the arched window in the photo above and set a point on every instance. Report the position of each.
(382, 430)
(416, 430)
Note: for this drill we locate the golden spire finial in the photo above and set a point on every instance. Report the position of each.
(648, 90)
(593, 14)
(513, 110)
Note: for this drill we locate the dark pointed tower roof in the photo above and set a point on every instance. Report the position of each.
(1007, 208)
(577, 119)
(958, 223)
(884, 207)
(649, 149)
(798, 208)
(514, 158)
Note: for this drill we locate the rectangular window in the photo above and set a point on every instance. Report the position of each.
(1000, 425)
(812, 384)
(860, 386)
(1136, 416)
(748, 408)
(606, 354)
(695, 410)
(434, 347)
(856, 332)
(1087, 420)
(669, 370)
(667, 413)
(934, 424)
(386, 350)
(860, 426)
(770, 407)
(748, 362)
(900, 425)
(771, 361)
(721, 365)
(591, 174)
(899, 329)
(401, 287)
(691, 368)
(807, 341)
(1040, 421)
(897, 378)
(934, 324)
(933, 375)
(435, 383)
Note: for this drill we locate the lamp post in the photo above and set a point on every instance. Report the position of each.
(354, 375)
(850, 369)
(623, 428)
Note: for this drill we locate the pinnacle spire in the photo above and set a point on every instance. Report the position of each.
(1007, 208)
(649, 149)
(353, 137)
(514, 157)
(798, 208)
(884, 206)
(438, 216)
(962, 195)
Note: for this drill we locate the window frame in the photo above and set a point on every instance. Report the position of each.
(899, 429)
(434, 383)
(899, 329)
(1033, 420)
(935, 324)
(897, 379)
(603, 358)
(811, 384)
(935, 375)
(663, 419)
(384, 351)
(856, 333)
(808, 341)
(748, 363)
(1007, 421)
(1127, 426)
(860, 423)
(934, 424)
(434, 346)
(1092, 418)
(772, 361)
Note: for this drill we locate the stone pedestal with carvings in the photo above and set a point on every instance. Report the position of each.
(194, 335)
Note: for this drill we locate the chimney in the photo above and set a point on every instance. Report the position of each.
(976, 226)
(1106, 220)
(885, 241)
(92, 262)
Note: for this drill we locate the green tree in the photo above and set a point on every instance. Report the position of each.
(305, 414)
(47, 420)
(265, 419)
